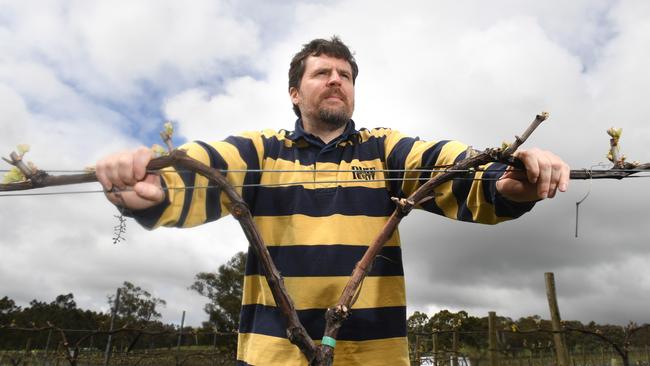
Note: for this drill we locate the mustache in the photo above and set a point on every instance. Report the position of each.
(335, 92)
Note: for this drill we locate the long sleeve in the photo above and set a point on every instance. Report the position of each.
(190, 198)
(472, 198)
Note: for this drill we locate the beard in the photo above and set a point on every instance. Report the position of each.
(333, 119)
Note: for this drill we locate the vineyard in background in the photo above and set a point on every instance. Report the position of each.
(59, 333)
(464, 340)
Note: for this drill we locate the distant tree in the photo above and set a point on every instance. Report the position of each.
(418, 322)
(137, 308)
(447, 320)
(224, 289)
(136, 305)
(65, 302)
(8, 306)
(62, 313)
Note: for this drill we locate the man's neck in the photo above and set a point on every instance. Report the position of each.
(322, 130)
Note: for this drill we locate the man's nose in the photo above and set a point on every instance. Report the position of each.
(335, 79)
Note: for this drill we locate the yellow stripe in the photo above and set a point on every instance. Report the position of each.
(369, 175)
(257, 349)
(447, 201)
(258, 140)
(482, 211)
(308, 230)
(414, 161)
(391, 137)
(196, 213)
(176, 197)
(323, 292)
(235, 162)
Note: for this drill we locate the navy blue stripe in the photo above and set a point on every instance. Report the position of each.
(248, 153)
(397, 160)
(493, 172)
(279, 201)
(429, 160)
(460, 188)
(362, 325)
(502, 206)
(326, 260)
(188, 180)
(213, 195)
(371, 149)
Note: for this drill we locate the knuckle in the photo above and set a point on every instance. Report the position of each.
(544, 164)
(124, 159)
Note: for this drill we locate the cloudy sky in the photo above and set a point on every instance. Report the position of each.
(80, 79)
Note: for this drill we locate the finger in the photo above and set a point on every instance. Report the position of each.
(149, 191)
(100, 173)
(556, 173)
(530, 163)
(141, 158)
(565, 176)
(110, 169)
(125, 176)
(544, 178)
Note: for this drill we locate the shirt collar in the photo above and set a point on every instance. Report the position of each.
(300, 133)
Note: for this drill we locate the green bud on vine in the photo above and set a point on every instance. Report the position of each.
(22, 149)
(615, 133)
(169, 128)
(158, 150)
(14, 175)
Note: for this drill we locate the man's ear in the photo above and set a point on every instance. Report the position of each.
(294, 94)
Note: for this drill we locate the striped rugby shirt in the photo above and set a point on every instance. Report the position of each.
(317, 218)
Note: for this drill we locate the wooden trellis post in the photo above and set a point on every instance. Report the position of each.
(417, 349)
(492, 330)
(435, 347)
(454, 348)
(107, 352)
(561, 352)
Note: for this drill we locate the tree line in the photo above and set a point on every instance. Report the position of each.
(139, 309)
(531, 335)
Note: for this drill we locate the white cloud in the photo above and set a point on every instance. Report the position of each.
(246, 104)
(67, 69)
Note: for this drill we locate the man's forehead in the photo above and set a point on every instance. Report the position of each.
(325, 61)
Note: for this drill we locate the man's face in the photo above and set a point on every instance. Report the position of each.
(326, 91)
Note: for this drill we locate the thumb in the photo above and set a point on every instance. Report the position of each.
(150, 189)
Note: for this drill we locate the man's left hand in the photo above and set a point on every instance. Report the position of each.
(545, 174)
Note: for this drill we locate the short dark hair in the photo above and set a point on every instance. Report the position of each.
(333, 48)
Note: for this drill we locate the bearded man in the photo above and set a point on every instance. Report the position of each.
(323, 193)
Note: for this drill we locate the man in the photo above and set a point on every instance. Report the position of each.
(323, 197)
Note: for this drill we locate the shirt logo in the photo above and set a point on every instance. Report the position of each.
(359, 172)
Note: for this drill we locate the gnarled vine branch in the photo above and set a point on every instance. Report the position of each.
(323, 354)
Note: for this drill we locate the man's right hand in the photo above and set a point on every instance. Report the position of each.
(126, 171)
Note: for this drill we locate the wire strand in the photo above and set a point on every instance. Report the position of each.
(234, 186)
(268, 185)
